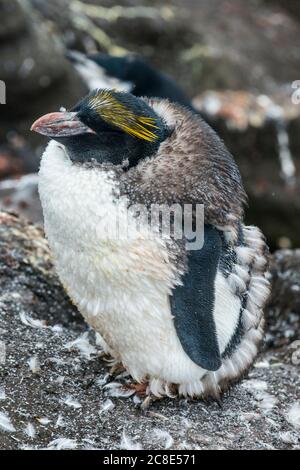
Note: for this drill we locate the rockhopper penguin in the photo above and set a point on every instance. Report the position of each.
(179, 320)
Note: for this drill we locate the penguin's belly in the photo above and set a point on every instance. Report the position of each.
(121, 285)
(123, 293)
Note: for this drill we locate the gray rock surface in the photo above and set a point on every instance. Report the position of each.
(55, 390)
(283, 313)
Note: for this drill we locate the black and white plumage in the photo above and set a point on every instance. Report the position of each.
(130, 73)
(176, 319)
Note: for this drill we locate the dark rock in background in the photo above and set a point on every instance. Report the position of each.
(14, 20)
(291, 6)
(263, 135)
(56, 393)
(239, 45)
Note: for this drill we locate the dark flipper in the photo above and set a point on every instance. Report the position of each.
(193, 303)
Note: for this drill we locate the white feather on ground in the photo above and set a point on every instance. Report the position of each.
(72, 402)
(34, 364)
(2, 394)
(5, 423)
(288, 438)
(254, 384)
(293, 415)
(89, 444)
(60, 422)
(57, 328)
(262, 365)
(128, 444)
(266, 402)
(108, 405)
(59, 380)
(102, 380)
(258, 388)
(164, 438)
(44, 421)
(30, 430)
(157, 415)
(62, 443)
(83, 345)
(34, 323)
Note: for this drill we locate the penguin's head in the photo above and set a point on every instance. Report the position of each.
(107, 127)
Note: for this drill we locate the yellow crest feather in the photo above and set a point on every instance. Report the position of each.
(116, 113)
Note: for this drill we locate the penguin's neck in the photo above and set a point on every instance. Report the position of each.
(74, 196)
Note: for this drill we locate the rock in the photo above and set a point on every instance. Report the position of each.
(262, 132)
(21, 197)
(290, 6)
(14, 20)
(283, 311)
(56, 393)
(9, 164)
(38, 78)
(251, 48)
(26, 268)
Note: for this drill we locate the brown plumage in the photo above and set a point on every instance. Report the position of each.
(192, 166)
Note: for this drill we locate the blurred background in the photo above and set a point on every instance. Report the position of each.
(238, 63)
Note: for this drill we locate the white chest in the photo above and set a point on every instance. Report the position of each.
(89, 227)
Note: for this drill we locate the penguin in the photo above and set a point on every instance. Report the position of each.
(181, 320)
(129, 73)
